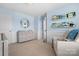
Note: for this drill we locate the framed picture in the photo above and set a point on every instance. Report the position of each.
(71, 14)
(57, 17)
(24, 23)
(57, 25)
(62, 25)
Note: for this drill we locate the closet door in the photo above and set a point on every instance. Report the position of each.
(45, 29)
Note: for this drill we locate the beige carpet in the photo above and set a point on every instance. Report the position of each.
(31, 48)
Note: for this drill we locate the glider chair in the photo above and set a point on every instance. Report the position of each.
(68, 46)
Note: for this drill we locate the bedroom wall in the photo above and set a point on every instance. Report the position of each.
(35, 22)
(55, 32)
(39, 28)
(36, 27)
(15, 22)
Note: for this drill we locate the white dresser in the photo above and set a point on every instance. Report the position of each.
(25, 36)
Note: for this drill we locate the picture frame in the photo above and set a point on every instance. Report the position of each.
(57, 17)
(71, 14)
(24, 23)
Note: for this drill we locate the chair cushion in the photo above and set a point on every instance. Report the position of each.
(72, 34)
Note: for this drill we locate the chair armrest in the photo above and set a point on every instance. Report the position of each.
(58, 39)
(67, 48)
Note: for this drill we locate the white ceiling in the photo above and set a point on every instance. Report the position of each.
(34, 9)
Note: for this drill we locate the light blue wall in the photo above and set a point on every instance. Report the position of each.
(55, 32)
(16, 17)
(15, 25)
(36, 27)
(39, 28)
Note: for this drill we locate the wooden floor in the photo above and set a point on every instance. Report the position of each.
(31, 48)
